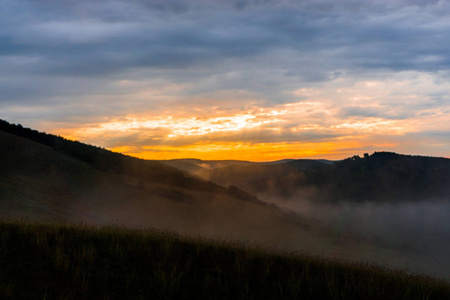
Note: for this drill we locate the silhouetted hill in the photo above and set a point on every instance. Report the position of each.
(382, 176)
(104, 160)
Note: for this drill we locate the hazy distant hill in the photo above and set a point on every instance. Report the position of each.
(201, 167)
(243, 174)
(382, 176)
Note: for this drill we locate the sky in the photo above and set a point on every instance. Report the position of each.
(255, 80)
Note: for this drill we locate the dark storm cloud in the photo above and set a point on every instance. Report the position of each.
(85, 38)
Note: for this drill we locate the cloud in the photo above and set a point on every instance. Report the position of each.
(176, 35)
(365, 65)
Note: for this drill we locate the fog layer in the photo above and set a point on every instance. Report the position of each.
(411, 227)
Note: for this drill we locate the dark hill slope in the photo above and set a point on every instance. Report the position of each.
(104, 160)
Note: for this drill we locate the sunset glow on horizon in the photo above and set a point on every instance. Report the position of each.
(293, 130)
(256, 81)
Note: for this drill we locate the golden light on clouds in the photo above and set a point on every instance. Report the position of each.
(257, 135)
(176, 127)
(373, 125)
(333, 121)
(244, 151)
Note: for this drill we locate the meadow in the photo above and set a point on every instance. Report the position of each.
(42, 260)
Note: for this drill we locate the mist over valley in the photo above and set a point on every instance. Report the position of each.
(394, 201)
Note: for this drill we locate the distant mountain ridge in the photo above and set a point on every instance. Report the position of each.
(380, 177)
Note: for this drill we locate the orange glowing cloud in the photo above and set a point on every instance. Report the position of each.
(258, 135)
(333, 121)
(243, 151)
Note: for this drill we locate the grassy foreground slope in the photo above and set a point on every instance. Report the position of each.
(51, 261)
